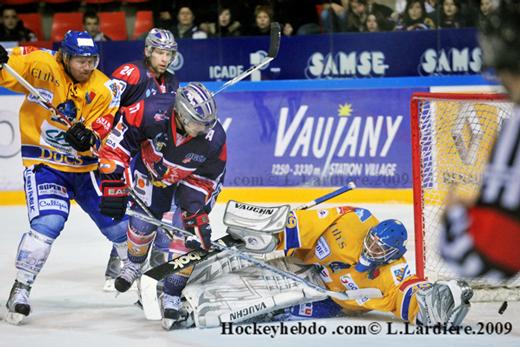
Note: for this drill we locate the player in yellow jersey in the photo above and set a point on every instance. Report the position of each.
(353, 250)
(56, 150)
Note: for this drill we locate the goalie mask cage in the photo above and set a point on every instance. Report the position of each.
(452, 138)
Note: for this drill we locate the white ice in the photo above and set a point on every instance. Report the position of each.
(70, 308)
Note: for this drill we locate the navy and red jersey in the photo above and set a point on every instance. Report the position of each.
(137, 82)
(147, 129)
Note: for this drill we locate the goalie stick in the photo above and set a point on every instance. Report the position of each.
(347, 295)
(194, 257)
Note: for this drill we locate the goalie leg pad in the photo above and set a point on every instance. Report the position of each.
(444, 302)
(254, 241)
(257, 218)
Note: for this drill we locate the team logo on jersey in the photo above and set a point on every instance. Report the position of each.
(324, 274)
(323, 213)
(349, 283)
(344, 209)
(362, 214)
(160, 116)
(89, 96)
(400, 272)
(115, 91)
(322, 249)
(305, 309)
(336, 266)
(52, 189)
(195, 157)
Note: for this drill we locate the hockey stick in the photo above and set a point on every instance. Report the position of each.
(274, 46)
(35, 92)
(196, 256)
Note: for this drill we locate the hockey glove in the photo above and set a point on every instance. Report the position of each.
(79, 137)
(4, 57)
(197, 224)
(114, 198)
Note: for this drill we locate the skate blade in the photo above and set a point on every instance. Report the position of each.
(167, 324)
(109, 286)
(14, 318)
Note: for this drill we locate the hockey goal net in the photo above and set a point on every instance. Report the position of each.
(452, 138)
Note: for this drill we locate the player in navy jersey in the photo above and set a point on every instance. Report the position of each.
(138, 80)
(143, 78)
(179, 152)
(483, 239)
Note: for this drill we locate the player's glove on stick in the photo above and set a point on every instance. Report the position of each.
(198, 224)
(4, 57)
(114, 198)
(79, 137)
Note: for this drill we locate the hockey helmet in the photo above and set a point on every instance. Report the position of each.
(196, 107)
(79, 44)
(385, 242)
(162, 39)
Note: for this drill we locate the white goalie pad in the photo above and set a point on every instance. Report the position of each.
(227, 289)
(239, 215)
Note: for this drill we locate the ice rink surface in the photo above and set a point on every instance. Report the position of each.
(69, 307)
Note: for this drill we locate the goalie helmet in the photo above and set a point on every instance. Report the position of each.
(499, 37)
(385, 242)
(79, 44)
(196, 108)
(161, 39)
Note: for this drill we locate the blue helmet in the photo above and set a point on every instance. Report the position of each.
(79, 43)
(385, 242)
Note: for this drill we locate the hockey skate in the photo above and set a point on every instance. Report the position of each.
(112, 271)
(129, 273)
(445, 302)
(171, 310)
(18, 303)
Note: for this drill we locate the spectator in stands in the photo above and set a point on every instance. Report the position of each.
(487, 7)
(226, 25)
(449, 15)
(186, 27)
(356, 22)
(263, 18)
(334, 15)
(376, 23)
(415, 17)
(12, 28)
(91, 25)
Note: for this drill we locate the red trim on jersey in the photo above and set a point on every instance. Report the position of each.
(134, 113)
(496, 236)
(223, 153)
(410, 282)
(122, 73)
(203, 183)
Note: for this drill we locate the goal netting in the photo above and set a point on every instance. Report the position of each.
(452, 138)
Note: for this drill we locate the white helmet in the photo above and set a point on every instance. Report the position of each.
(196, 104)
(162, 39)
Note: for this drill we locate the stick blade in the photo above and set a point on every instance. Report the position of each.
(274, 46)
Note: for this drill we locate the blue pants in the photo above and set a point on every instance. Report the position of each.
(48, 193)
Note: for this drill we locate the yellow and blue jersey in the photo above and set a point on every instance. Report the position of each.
(42, 133)
(333, 239)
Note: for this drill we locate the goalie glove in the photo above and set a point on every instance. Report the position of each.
(80, 138)
(197, 224)
(114, 198)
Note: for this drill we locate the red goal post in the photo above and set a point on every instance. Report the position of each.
(452, 138)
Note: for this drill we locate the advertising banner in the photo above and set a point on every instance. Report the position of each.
(349, 55)
(318, 138)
